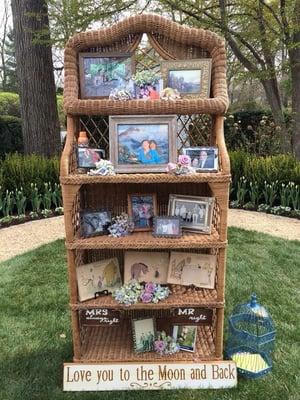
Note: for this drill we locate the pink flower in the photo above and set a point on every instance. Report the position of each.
(171, 167)
(184, 160)
(159, 346)
(146, 297)
(150, 287)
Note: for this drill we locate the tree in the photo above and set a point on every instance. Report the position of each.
(9, 67)
(40, 125)
(256, 32)
(68, 17)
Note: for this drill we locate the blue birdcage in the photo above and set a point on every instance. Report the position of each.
(251, 339)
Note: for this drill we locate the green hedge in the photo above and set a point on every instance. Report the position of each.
(9, 104)
(20, 171)
(11, 139)
(282, 168)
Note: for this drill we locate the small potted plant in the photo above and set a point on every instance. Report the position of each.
(147, 83)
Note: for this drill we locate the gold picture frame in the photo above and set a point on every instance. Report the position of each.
(192, 78)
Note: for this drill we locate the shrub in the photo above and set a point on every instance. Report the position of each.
(10, 135)
(282, 168)
(9, 104)
(20, 171)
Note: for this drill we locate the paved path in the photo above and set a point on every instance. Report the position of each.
(18, 239)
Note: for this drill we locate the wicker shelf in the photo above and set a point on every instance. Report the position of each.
(114, 344)
(145, 240)
(80, 179)
(167, 40)
(146, 107)
(205, 297)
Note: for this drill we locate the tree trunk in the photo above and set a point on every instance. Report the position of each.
(294, 55)
(274, 100)
(40, 124)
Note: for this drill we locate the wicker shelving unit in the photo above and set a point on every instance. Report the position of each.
(201, 123)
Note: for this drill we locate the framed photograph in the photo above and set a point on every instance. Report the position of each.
(203, 158)
(97, 277)
(87, 157)
(94, 223)
(190, 77)
(146, 266)
(194, 212)
(167, 227)
(192, 269)
(143, 331)
(186, 336)
(142, 208)
(100, 73)
(141, 143)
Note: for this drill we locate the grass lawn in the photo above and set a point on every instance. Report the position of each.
(34, 313)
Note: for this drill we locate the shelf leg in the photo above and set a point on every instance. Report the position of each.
(219, 333)
(69, 193)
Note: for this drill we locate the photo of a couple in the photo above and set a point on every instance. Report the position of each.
(143, 144)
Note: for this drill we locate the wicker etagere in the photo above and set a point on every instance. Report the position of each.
(201, 123)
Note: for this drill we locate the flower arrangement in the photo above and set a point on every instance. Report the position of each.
(182, 167)
(120, 94)
(165, 344)
(169, 94)
(121, 226)
(103, 167)
(133, 291)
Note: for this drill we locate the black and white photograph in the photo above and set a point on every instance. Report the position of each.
(203, 158)
(194, 212)
(143, 331)
(88, 157)
(94, 223)
(167, 227)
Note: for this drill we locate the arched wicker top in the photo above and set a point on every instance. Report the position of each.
(130, 30)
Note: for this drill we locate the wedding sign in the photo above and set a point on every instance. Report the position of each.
(102, 377)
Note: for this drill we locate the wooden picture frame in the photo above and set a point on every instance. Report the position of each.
(190, 77)
(96, 277)
(92, 84)
(143, 332)
(146, 266)
(169, 227)
(192, 269)
(203, 158)
(195, 212)
(141, 215)
(142, 144)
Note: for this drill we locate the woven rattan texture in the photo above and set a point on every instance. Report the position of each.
(145, 240)
(115, 344)
(191, 298)
(171, 40)
(80, 179)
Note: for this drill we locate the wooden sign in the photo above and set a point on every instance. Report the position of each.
(191, 316)
(100, 317)
(130, 376)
